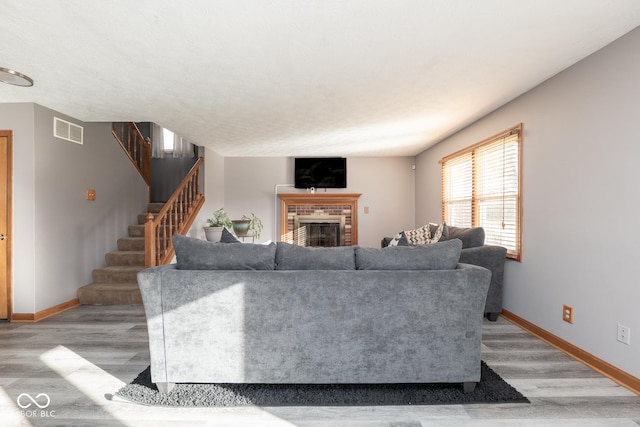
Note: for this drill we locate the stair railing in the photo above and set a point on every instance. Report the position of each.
(176, 217)
(136, 146)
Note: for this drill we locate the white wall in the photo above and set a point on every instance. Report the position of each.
(386, 184)
(249, 187)
(58, 236)
(581, 207)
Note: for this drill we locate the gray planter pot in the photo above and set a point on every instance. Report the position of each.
(213, 234)
(241, 227)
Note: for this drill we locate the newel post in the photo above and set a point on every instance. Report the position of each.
(149, 242)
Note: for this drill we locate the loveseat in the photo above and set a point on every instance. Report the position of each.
(475, 252)
(280, 313)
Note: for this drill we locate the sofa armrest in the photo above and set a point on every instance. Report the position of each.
(487, 256)
(490, 257)
(150, 283)
(493, 258)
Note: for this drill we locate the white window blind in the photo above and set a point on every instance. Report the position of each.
(457, 181)
(481, 188)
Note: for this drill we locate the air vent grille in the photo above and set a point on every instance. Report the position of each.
(68, 131)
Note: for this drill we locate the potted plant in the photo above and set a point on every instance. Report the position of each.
(217, 222)
(247, 224)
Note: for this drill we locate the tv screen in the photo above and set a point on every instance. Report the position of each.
(320, 172)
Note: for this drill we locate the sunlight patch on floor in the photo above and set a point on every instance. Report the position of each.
(10, 412)
(99, 386)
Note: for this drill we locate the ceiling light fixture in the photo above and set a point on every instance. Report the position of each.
(14, 78)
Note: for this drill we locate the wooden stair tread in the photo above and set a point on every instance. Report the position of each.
(110, 294)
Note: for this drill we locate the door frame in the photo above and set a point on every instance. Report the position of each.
(9, 216)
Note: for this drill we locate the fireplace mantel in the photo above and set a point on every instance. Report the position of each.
(319, 202)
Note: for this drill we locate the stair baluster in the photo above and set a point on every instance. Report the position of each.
(176, 217)
(137, 148)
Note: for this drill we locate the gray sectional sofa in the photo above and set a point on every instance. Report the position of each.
(280, 313)
(475, 252)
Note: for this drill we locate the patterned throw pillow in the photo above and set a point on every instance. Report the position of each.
(437, 236)
(399, 240)
(422, 235)
(445, 230)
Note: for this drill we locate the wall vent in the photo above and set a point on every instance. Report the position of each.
(68, 131)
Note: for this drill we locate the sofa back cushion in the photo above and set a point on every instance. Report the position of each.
(196, 254)
(471, 237)
(437, 256)
(294, 257)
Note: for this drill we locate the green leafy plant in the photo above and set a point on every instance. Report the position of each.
(255, 225)
(219, 219)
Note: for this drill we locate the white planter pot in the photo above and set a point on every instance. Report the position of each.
(213, 234)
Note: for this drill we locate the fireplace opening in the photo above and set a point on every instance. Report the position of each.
(319, 230)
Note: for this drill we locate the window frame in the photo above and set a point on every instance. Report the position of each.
(515, 254)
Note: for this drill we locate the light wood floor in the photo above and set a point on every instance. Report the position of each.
(81, 357)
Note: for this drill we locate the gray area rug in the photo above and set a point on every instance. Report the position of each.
(491, 389)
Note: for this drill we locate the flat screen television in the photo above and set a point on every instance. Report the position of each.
(320, 172)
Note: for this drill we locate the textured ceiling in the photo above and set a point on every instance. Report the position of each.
(298, 77)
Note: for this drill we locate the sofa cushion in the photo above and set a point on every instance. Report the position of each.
(471, 237)
(400, 239)
(294, 257)
(437, 256)
(427, 234)
(227, 237)
(196, 254)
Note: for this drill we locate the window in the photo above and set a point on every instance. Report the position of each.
(481, 187)
(167, 140)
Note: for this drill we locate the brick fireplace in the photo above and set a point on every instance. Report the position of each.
(319, 219)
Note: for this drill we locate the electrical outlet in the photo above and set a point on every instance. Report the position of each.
(91, 194)
(567, 313)
(624, 334)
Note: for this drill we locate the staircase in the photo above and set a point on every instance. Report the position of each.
(149, 241)
(116, 283)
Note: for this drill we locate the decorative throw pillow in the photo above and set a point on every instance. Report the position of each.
(419, 236)
(445, 230)
(400, 239)
(438, 256)
(227, 237)
(294, 257)
(424, 235)
(196, 254)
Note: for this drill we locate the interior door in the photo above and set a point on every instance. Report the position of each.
(5, 223)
